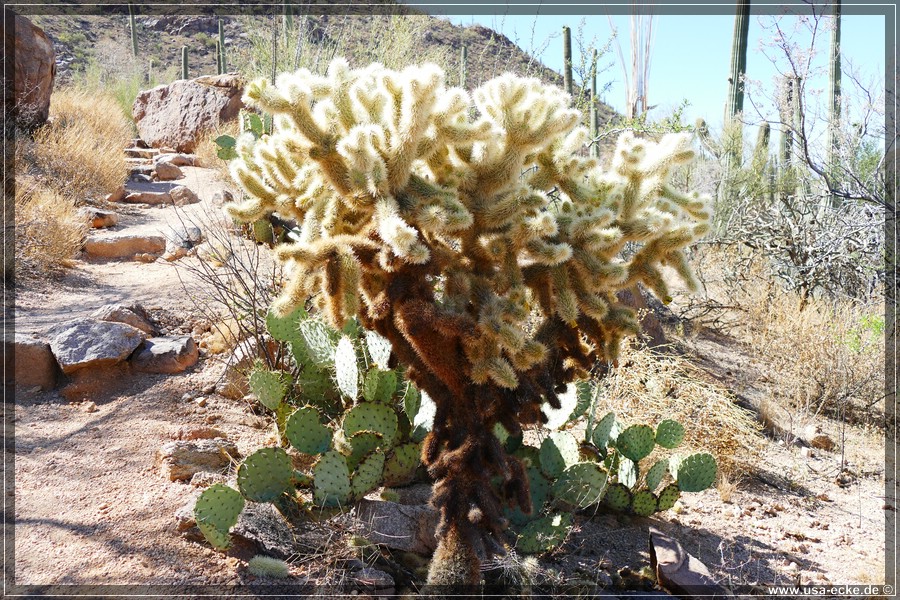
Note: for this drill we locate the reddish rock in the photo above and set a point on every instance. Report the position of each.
(33, 364)
(35, 70)
(123, 245)
(180, 460)
(179, 114)
(166, 171)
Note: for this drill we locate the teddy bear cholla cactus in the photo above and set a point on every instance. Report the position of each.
(480, 243)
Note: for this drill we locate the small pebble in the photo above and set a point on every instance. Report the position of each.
(201, 401)
(89, 407)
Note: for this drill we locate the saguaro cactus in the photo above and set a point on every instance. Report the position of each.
(567, 59)
(834, 120)
(223, 65)
(481, 245)
(463, 66)
(184, 62)
(595, 148)
(134, 44)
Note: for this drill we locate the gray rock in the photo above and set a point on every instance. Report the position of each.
(177, 159)
(166, 171)
(182, 196)
(133, 315)
(86, 343)
(262, 525)
(179, 114)
(165, 355)
(181, 240)
(123, 245)
(373, 579)
(30, 362)
(180, 460)
(222, 197)
(399, 526)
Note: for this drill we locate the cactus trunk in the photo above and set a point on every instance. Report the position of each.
(736, 78)
(595, 148)
(134, 44)
(834, 122)
(567, 60)
(288, 18)
(184, 62)
(223, 66)
(463, 66)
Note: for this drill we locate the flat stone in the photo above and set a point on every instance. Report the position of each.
(679, 572)
(200, 433)
(148, 198)
(182, 196)
(180, 460)
(177, 159)
(404, 527)
(123, 245)
(86, 343)
(30, 362)
(99, 218)
(165, 355)
(116, 195)
(372, 579)
(166, 171)
(136, 152)
(133, 315)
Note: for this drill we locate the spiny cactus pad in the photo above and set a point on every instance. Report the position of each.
(581, 485)
(314, 384)
(361, 444)
(669, 433)
(411, 401)
(265, 474)
(643, 503)
(696, 472)
(627, 472)
(332, 480)
(269, 386)
(539, 488)
(401, 466)
(216, 512)
(379, 385)
(319, 344)
(287, 328)
(618, 497)
(346, 368)
(600, 435)
(668, 496)
(306, 433)
(558, 451)
(369, 416)
(544, 534)
(585, 394)
(379, 350)
(636, 442)
(656, 473)
(368, 475)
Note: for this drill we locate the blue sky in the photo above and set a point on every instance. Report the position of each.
(690, 55)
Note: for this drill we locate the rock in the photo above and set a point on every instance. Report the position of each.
(30, 363)
(133, 315)
(34, 70)
(222, 197)
(183, 196)
(166, 171)
(123, 245)
(86, 343)
(679, 572)
(148, 197)
(373, 580)
(165, 355)
(204, 479)
(180, 460)
(183, 237)
(86, 384)
(141, 152)
(200, 433)
(117, 195)
(399, 526)
(262, 525)
(179, 114)
(98, 218)
(818, 439)
(89, 407)
(177, 159)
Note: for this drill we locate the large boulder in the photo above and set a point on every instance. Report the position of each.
(178, 114)
(86, 343)
(34, 67)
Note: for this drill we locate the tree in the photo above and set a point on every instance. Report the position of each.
(481, 245)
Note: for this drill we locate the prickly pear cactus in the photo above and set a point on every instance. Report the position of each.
(636, 442)
(216, 512)
(544, 534)
(656, 473)
(306, 433)
(582, 484)
(643, 503)
(319, 342)
(618, 497)
(265, 475)
(400, 467)
(558, 451)
(696, 472)
(668, 496)
(669, 434)
(379, 350)
(331, 478)
(360, 445)
(270, 387)
(346, 368)
(368, 475)
(601, 434)
(369, 416)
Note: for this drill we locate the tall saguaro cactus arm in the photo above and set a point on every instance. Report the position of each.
(480, 243)
(738, 60)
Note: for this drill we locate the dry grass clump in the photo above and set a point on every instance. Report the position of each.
(207, 150)
(648, 387)
(49, 230)
(80, 152)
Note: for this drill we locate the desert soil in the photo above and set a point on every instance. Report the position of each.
(92, 508)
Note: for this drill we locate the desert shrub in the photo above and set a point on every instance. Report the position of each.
(79, 153)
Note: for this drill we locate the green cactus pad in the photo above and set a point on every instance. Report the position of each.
(360, 445)
(411, 401)
(558, 451)
(618, 497)
(696, 472)
(668, 496)
(379, 349)
(559, 417)
(669, 434)
(332, 480)
(401, 466)
(643, 503)
(216, 512)
(379, 385)
(656, 473)
(368, 475)
(346, 368)
(636, 442)
(306, 433)
(301, 479)
(585, 394)
(287, 328)
(319, 344)
(539, 488)
(627, 472)
(379, 418)
(265, 474)
(600, 435)
(581, 485)
(315, 385)
(544, 534)
(269, 386)
(531, 456)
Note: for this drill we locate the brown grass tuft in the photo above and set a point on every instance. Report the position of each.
(648, 387)
(207, 149)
